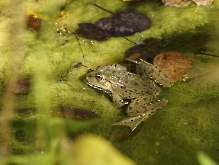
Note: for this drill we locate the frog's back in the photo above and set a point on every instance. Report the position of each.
(130, 85)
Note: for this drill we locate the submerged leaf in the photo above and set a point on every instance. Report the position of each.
(146, 51)
(74, 113)
(124, 134)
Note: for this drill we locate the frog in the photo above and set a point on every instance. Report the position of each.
(137, 90)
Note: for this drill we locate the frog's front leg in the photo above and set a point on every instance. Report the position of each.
(117, 100)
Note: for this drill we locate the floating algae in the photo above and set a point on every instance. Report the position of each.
(185, 126)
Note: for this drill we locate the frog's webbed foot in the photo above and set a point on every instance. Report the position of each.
(131, 122)
(143, 104)
(147, 70)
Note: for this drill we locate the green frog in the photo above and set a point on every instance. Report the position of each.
(140, 89)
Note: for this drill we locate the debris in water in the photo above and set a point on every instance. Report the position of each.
(34, 22)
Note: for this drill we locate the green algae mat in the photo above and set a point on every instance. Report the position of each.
(43, 66)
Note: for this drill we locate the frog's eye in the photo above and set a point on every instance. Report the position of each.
(99, 77)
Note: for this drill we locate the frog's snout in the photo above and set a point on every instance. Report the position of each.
(88, 76)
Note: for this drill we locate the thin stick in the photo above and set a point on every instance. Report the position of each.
(93, 3)
(79, 45)
(206, 54)
(198, 76)
(130, 40)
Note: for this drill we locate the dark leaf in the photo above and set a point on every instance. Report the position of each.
(74, 113)
(123, 23)
(146, 51)
(90, 31)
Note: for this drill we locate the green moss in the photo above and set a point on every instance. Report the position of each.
(174, 135)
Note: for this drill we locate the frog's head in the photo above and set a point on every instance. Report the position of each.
(96, 79)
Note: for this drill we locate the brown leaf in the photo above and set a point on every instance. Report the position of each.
(34, 22)
(174, 64)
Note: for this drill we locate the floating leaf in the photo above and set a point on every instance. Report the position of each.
(203, 2)
(176, 3)
(182, 3)
(174, 64)
(123, 23)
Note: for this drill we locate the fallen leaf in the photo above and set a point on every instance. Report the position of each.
(182, 3)
(174, 64)
(146, 51)
(176, 3)
(123, 23)
(203, 2)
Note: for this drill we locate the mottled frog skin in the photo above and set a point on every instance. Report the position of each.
(141, 88)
